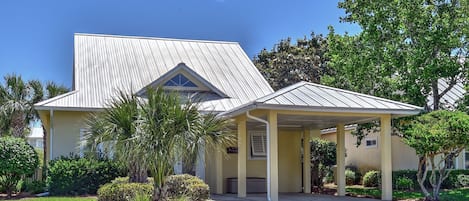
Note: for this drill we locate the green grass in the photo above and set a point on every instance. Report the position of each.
(60, 199)
(445, 195)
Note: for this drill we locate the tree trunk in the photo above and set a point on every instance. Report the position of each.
(44, 166)
(18, 124)
(436, 97)
(137, 174)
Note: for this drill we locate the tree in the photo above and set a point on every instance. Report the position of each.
(323, 157)
(153, 133)
(404, 50)
(18, 159)
(438, 138)
(287, 63)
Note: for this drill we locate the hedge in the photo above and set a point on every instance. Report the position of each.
(449, 183)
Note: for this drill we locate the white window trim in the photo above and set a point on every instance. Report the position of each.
(264, 141)
(371, 139)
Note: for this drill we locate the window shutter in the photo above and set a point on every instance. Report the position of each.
(258, 143)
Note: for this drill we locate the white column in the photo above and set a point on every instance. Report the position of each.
(306, 161)
(340, 159)
(386, 158)
(242, 153)
(273, 156)
(219, 172)
(200, 166)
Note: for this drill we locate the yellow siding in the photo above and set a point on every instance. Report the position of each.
(66, 134)
(289, 164)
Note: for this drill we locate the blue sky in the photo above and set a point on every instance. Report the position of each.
(36, 37)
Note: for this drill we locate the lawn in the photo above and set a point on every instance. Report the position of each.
(445, 195)
(60, 199)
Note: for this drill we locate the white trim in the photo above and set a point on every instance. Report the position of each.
(371, 139)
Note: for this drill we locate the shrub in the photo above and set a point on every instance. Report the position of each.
(404, 183)
(463, 180)
(126, 180)
(17, 159)
(372, 179)
(35, 187)
(449, 183)
(187, 185)
(124, 191)
(77, 176)
(350, 177)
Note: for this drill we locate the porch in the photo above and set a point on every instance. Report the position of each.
(289, 118)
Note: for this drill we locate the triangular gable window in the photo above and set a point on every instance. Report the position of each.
(179, 81)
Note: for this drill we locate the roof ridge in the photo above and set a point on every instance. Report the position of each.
(365, 95)
(154, 38)
(44, 102)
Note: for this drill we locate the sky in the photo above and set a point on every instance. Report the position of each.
(36, 37)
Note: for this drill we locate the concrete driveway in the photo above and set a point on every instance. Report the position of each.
(288, 196)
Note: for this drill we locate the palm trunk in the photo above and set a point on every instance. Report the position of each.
(18, 124)
(137, 173)
(44, 166)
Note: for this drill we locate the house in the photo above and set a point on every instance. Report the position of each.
(403, 156)
(35, 138)
(270, 125)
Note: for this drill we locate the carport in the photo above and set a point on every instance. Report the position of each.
(310, 108)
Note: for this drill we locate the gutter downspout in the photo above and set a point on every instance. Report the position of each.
(267, 127)
(51, 132)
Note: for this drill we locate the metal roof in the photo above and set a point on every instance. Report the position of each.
(307, 96)
(104, 64)
(450, 99)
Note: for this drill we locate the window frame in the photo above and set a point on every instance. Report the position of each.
(251, 155)
(371, 139)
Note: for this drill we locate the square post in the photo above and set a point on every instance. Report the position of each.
(340, 159)
(242, 152)
(219, 172)
(273, 156)
(386, 158)
(306, 161)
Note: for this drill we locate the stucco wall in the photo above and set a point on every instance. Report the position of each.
(403, 156)
(290, 174)
(66, 134)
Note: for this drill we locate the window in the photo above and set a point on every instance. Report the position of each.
(179, 81)
(258, 144)
(467, 159)
(371, 142)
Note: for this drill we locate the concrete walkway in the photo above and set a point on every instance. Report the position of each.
(288, 196)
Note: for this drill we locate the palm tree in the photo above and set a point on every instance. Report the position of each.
(153, 133)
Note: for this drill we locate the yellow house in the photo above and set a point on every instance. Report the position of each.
(270, 126)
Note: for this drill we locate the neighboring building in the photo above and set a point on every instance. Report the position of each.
(35, 138)
(270, 125)
(366, 156)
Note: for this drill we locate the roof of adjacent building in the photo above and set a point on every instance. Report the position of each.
(307, 96)
(105, 64)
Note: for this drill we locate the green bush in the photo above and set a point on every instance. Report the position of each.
(187, 185)
(124, 191)
(17, 159)
(372, 179)
(463, 180)
(350, 177)
(449, 183)
(404, 183)
(35, 187)
(78, 176)
(126, 180)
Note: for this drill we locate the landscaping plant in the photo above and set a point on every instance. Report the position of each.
(323, 157)
(17, 159)
(438, 138)
(372, 179)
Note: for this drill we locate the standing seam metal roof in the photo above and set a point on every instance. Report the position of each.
(105, 64)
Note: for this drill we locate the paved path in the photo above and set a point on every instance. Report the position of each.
(288, 196)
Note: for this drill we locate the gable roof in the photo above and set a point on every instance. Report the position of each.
(104, 64)
(307, 96)
(182, 68)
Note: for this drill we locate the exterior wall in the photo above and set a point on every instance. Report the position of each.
(66, 127)
(290, 174)
(403, 156)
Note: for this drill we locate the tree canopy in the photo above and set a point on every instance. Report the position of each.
(286, 63)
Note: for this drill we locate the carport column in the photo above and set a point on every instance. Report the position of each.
(306, 161)
(242, 149)
(219, 172)
(386, 158)
(273, 146)
(340, 159)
